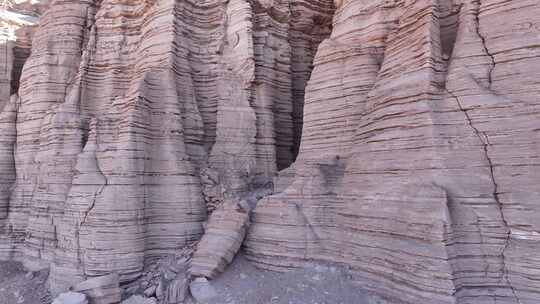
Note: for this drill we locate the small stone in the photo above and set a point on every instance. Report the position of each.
(169, 275)
(150, 291)
(29, 275)
(71, 298)
(202, 291)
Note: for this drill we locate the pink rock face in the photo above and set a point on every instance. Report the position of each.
(418, 155)
(408, 131)
(136, 117)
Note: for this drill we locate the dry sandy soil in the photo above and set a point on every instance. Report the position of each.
(18, 286)
(242, 283)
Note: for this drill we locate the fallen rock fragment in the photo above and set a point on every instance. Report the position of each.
(150, 291)
(224, 235)
(101, 290)
(202, 290)
(71, 298)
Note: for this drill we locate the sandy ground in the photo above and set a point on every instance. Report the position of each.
(242, 283)
(18, 286)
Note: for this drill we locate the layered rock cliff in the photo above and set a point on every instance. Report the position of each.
(418, 159)
(135, 118)
(408, 153)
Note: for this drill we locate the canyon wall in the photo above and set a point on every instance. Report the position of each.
(134, 119)
(419, 151)
(404, 135)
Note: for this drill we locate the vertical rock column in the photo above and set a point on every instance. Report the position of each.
(272, 87)
(88, 183)
(6, 67)
(44, 84)
(8, 135)
(234, 152)
(141, 199)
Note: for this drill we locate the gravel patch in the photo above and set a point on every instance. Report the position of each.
(18, 286)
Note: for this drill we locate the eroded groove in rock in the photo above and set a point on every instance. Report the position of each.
(8, 119)
(311, 23)
(484, 44)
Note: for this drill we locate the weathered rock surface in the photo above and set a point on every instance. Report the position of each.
(419, 128)
(419, 152)
(135, 118)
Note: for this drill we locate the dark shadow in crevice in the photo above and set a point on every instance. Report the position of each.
(449, 25)
(20, 55)
(305, 41)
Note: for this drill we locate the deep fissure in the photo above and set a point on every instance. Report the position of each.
(482, 137)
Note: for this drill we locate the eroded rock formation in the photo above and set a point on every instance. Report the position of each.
(135, 118)
(418, 155)
(418, 126)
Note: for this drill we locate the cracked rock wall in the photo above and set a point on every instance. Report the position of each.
(419, 137)
(133, 118)
(418, 160)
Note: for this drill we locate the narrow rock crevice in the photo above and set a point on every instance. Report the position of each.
(92, 205)
(484, 139)
(484, 45)
(305, 41)
(449, 22)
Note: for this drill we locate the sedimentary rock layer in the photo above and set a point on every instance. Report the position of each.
(136, 117)
(419, 140)
(418, 155)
